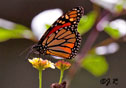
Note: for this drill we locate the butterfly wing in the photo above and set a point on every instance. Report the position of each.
(62, 38)
(65, 43)
(71, 18)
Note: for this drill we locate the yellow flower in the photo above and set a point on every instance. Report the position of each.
(41, 64)
(62, 65)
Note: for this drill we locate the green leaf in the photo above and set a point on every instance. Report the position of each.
(47, 26)
(18, 31)
(119, 7)
(114, 33)
(95, 64)
(87, 22)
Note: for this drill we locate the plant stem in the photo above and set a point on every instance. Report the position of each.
(61, 76)
(40, 78)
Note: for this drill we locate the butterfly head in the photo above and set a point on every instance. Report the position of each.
(36, 49)
(33, 49)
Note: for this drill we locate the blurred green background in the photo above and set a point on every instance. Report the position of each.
(16, 72)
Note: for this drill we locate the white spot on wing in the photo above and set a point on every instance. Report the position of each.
(56, 57)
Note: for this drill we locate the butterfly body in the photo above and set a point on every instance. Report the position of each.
(62, 38)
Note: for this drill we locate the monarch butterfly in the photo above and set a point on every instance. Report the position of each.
(62, 38)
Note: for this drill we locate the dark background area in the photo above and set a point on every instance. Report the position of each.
(15, 72)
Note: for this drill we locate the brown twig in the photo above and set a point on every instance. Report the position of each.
(110, 40)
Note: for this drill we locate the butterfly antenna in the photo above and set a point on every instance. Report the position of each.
(24, 51)
(28, 54)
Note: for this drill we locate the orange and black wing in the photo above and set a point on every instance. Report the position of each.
(62, 38)
(65, 43)
(70, 18)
